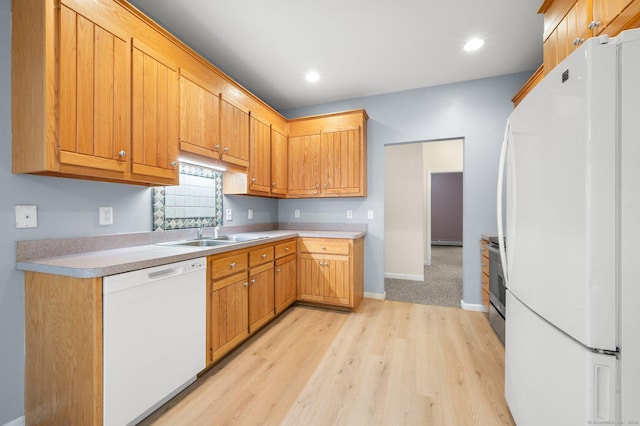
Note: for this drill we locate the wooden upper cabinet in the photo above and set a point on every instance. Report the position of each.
(327, 155)
(279, 175)
(199, 117)
(341, 162)
(70, 108)
(304, 165)
(259, 156)
(234, 134)
(154, 115)
(94, 94)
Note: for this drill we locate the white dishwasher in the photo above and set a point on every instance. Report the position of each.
(154, 337)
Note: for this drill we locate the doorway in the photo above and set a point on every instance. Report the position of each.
(423, 260)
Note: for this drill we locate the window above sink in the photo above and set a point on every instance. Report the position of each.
(196, 202)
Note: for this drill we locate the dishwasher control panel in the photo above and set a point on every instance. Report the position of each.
(195, 265)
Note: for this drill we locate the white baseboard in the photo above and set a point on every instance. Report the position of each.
(472, 306)
(379, 296)
(404, 276)
(20, 421)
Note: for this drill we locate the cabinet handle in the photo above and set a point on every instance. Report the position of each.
(594, 24)
(264, 255)
(278, 270)
(232, 265)
(253, 281)
(578, 41)
(217, 147)
(226, 149)
(246, 284)
(122, 153)
(174, 163)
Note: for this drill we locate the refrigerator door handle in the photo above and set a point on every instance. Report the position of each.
(604, 392)
(503, 157)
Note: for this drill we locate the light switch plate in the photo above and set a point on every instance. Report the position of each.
(26, 216)
(349, 214)
(369, 214)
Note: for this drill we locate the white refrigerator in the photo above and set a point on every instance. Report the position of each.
(571, 167)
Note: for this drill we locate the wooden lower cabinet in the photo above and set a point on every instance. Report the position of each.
(286, 284)
(484, 247)
(331, 271)
(229, 318)
(261, 287)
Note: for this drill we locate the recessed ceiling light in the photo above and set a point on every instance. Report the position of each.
(312, 76)
(473, 44)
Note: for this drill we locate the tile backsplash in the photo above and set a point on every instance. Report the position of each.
(196, 201)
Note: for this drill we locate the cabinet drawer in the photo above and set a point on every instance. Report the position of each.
(324, 245)
(285, 249)
(221, 267)
(261, 255)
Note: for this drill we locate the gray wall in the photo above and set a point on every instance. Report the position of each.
(476, 111)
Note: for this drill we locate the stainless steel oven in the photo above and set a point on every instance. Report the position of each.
(497, 290)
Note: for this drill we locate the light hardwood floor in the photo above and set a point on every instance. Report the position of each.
(389, 363)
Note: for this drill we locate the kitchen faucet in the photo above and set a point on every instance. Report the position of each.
(216, 230)
(200, 231)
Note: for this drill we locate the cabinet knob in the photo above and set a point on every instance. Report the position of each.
(253, 281)
(317, 186)
(286, 249)
(253, 180)
(174, 163)
(232, 265)
(278, 270)
(264, 255)
(226, 149)
(594, 24)
(578, 41)
(273, 184)
(246, 284)
(325, 185)
(217, 147)
(324, 248)
(122, 153)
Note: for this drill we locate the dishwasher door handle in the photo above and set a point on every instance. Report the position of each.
(164, 273)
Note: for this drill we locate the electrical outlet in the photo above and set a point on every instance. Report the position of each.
(369, 214)
(228, 215)
(105, 215)
(296, 213)
(26, 217)
(349, 214)
(250, 214)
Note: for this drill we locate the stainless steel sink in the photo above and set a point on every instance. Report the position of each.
(201, 243)
(212, 242)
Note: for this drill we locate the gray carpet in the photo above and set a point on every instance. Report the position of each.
(442, 285)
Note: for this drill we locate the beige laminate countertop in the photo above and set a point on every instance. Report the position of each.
(100, 263)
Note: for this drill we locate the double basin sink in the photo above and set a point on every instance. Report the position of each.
(217, 241)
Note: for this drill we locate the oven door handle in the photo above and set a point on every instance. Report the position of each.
(494, 250)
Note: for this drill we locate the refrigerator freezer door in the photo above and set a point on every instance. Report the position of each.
(561, 197)
(550, 379)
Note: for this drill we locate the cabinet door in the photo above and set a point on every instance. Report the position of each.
(229, 314)
(341, 162)
(199, 117)
(304, 165)
(94, 94)
(234, 134)
(337, 280)
(261, 297)
(278, 163)
(259, 156)
(311, 277)
(285, 283)
(154, 116)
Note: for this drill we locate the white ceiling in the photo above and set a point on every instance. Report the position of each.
(359, 47)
